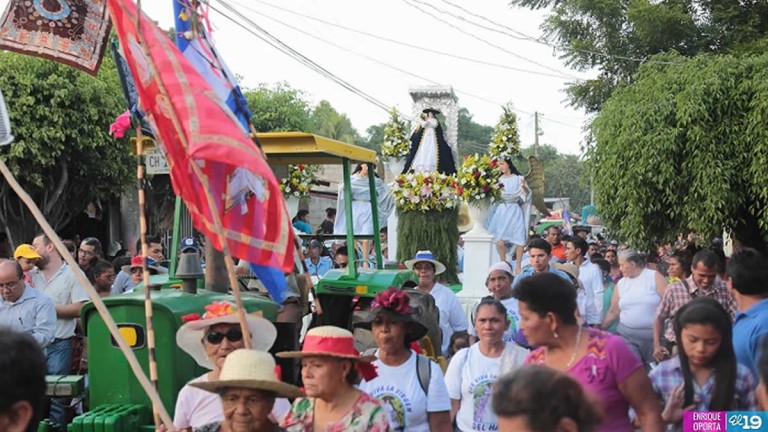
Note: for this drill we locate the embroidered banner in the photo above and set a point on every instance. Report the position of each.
(73, 32)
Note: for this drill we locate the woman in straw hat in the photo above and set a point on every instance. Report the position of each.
(452, 316)
(329, 370)
(247, 385)
(418, 401)
(209, 339)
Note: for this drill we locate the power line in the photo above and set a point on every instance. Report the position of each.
(286, 49)
(455, 27)
(406, 44)
(523, 36)
(403, 71)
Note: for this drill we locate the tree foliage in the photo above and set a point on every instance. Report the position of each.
(617, 36)
(327, 122)
(63, 155)
(686, 147)
(473, 137)
(278, 108)
(565, 175)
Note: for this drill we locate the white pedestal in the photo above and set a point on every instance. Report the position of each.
(392, 236)
(478, 257)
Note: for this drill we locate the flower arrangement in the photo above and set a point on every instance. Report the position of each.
(479, 180)
(505, 142)
(425, 191)
(299, 180)
(393, 299)
(396, 142)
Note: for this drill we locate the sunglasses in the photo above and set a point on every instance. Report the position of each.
(215, 338)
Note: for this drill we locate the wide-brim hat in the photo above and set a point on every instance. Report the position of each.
(430, 110)
(425, 256)
(250, 369)
(328, 341)
(465, 222)
(138, 261)
(395, 304)
(571, 269)
(190, 336)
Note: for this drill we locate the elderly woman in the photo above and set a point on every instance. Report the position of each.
(473, 370)
(601, 362)
(329, 370)
(410, 384)
(538, 398)
(247, 386)
(634, 303)
(209, 340)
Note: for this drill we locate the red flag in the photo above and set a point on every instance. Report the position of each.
(193, 126)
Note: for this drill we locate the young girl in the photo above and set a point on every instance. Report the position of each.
(705, 375)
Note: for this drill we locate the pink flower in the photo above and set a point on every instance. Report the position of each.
(121, 125)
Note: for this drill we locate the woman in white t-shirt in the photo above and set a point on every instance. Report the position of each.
(473, 370)
(411, 385)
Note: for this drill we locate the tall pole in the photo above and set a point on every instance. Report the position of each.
(536, 134)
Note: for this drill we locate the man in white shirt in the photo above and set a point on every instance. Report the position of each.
(591, 279)
(452, 317)
(57, 280)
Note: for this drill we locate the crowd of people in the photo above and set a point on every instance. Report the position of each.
(602, 339)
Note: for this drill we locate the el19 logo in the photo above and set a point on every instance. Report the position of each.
(746, 420)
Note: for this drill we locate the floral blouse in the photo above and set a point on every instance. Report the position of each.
(367, 414)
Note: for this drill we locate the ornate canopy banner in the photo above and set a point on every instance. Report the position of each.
(73, 32)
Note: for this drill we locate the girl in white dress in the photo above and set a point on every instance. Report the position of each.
(508, 221)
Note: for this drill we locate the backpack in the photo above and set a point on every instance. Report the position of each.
(423, 369)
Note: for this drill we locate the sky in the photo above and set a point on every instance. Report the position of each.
(386, 70)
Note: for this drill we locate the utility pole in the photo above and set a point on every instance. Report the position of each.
(536, 134)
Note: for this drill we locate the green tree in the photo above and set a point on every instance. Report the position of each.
(328, 122)
(374, 137)
(278, 108)
(615, 37)
(685, 148)
(60, 117)
(473, 137)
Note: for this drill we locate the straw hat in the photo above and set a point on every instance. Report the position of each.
(250, 369)
(328, 341)
(571, 269)
(464, 222)
(395, 304)
(425, 256)
(190, 336)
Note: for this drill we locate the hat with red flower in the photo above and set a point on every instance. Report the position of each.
(396, 305)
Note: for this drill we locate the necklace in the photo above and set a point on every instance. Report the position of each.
(575, 350)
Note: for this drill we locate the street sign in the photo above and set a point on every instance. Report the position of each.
(155, 162)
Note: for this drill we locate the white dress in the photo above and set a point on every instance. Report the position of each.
(362, 216)
(425, 160)
(507, 219)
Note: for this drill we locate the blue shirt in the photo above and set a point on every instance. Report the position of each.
(33, 313)
(323, 265)
(528, 271)
(748, 330)
(303, 227)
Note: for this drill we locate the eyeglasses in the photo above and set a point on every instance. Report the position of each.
(86, 252)
(9, 285)
(215, 338)
(423, 267)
